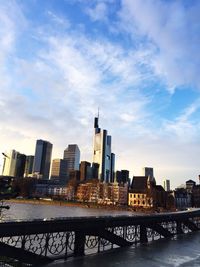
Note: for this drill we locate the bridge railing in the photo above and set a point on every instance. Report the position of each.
(42, 241)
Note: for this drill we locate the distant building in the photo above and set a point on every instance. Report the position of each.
(29, 166)
(166, 184)
(14, 164)
(122, 176)
(85, 171)
(42, 159)
(20, 165)
(196, 196)
(112, 170)
(190, 184)
(74, 175)
(182, 198)
(59, 170)
(148, 171)
(72, 155)
(144, 193)
(102, 153)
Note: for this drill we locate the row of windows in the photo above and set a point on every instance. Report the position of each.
(138, 202)
(137, 195)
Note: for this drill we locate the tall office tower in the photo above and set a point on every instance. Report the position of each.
(20, 165)
(102, 153)
(167, 185)
(42, 159)
(85, 171)
(72, 155)
(148, 171)
(112, 171)
(122, 176)
(10, 161)
(28, 166)
(59, 170)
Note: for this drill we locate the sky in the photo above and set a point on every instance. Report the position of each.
(138, 61)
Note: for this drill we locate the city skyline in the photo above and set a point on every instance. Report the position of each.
(136, 60)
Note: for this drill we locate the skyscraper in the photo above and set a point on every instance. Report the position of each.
(59, 170)
(167, 185)
(72, 155)
(14, 164)
(10, 161)
(42, 160)
(29, 166)
(85, 171)
(20, 165)
(102, 153)
(148, 171)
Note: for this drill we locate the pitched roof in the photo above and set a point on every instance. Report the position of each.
(139, 183)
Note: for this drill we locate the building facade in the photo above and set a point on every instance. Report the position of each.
(29, 166)
(72, 156)
(102, 153)
(59, 170)
(14, 164)
(42, 159)
(166, 185)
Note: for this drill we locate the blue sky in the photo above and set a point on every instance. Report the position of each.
(138, 61)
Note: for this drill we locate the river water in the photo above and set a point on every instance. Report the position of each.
(183, 252)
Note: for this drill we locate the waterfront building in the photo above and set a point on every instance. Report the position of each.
(196, 195)
(102, 153)
(59, 170)
(72, 156)
(182, 198)
(146, 194)
(166, 185)
(29, 166)
(42, 159)
(190, 185)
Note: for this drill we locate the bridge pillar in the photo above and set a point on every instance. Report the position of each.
(79, 244)
(143, 234)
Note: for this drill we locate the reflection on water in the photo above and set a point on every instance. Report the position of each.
(30, 211)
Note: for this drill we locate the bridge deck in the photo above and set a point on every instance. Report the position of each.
(48, 239)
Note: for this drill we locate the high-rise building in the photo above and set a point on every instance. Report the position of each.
(148, 171)
(20, 165)
(42, 159)
(85, 171)
(14, 164)
(122, 176)
(59, 170)
(10, 161)
(102, 153)
(29, 166)
(72, 155)
(167, 185)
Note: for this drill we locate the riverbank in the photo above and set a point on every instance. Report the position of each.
(68, 204)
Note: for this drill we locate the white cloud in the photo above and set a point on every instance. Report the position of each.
(99, 12)
(172, 27)
(55, 93)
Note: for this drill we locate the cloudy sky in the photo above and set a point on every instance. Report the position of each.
(138, 61)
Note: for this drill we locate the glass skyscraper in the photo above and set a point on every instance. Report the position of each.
(42, 159)
(102, 153)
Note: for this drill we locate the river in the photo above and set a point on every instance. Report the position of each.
(183, 251)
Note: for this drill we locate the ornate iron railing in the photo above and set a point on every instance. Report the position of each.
(42, 241)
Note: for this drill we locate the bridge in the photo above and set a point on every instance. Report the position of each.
(43, 241)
